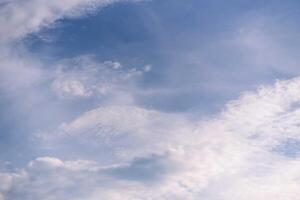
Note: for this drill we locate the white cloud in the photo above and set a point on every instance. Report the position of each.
(113, 65)
(24, 78)
(6, 181)
(85, 77)
(229, 157)
(129, 131)
(155, 155)
(20, 18)
(147, 68)
(70, 87)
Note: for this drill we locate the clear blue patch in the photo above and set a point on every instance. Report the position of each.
(288, 148)
(147, 169)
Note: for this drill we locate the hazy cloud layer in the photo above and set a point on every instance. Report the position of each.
(90, 138)
(85, 77)
(232, 156)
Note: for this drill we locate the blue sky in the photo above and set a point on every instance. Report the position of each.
(156, 99)
(190, 45)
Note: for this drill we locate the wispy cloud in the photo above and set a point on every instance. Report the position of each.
(230, 156)
(85, 77)
(94, 139)
(20, 18)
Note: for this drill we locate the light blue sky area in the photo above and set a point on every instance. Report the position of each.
(141, 91)
(203, 53)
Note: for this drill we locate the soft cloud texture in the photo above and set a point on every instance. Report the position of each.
(85, 77)
(27, 102)
(119, 149)
(228, 157)
(20, 18)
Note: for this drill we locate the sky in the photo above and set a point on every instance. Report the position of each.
(149, 99)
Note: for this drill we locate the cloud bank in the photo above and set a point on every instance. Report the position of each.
(232, 156)
(135, 152)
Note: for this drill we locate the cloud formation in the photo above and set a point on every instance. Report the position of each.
(20, 18)
(137, 152)
(231, 156)
(85, 77)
